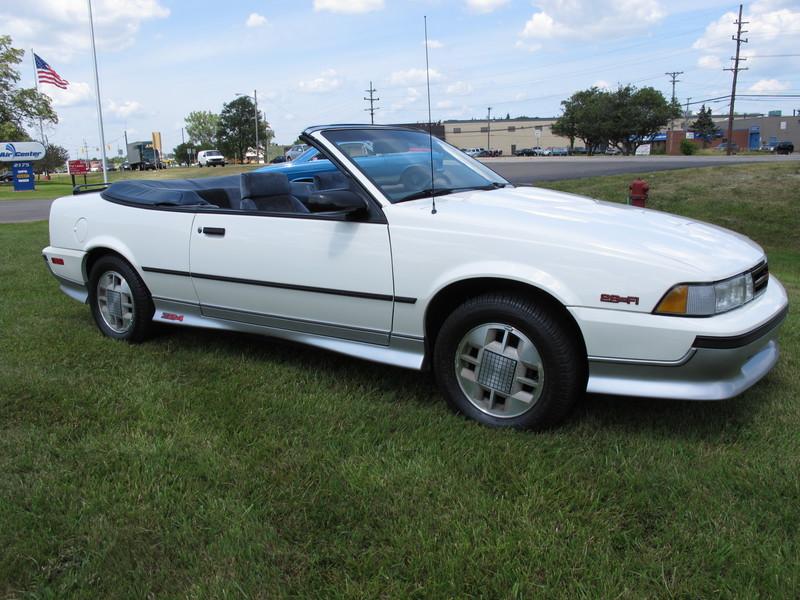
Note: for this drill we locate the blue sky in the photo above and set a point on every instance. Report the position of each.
(312, 60)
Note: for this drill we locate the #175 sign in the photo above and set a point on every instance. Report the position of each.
(21, 151)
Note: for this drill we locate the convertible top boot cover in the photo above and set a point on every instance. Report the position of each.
(169, 192)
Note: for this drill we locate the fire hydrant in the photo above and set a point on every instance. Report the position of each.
(638, 192)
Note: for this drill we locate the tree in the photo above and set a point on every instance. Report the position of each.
(201, 127)
(626, 118)
(237, 128)
(637, 115)
(583, 118)
(704, 125)
(55, 157)
(19, 107)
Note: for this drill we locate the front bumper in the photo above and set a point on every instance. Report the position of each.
(715, 365)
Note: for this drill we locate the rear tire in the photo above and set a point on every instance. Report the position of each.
(506, 361)
(121, 304)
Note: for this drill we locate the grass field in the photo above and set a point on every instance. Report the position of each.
(208, 465)
(61, 184)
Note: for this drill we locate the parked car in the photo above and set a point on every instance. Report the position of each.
(784, 148)
(6, 178)
(210, 158)
(579, 150)
(278, 159)
(295, 151)
(613, 151)
(559, 151)
(723, 147)
(489, 290)
(524, 152)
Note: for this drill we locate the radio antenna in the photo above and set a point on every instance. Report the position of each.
(430, 124)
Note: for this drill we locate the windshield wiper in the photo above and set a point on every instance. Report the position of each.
(443, 191)
(430, 192)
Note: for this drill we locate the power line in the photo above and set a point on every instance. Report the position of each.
(372, 100)
(736, 68)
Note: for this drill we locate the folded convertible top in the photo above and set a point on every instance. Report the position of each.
(167, 192)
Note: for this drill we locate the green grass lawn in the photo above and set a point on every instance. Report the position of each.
(211, 465)
(61, 184)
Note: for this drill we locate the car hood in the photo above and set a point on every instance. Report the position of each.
(698, 251)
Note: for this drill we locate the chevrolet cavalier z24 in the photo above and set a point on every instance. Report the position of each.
(520, 299)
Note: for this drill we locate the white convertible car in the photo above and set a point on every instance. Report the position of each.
(519, 299)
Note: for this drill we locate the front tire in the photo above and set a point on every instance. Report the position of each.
(121, 304)
(506, 361)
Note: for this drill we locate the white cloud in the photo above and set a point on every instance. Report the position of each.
(709, 61)
(591, 18)
(771, 29)
(77, 93)
(326, 82)
(769, 85)
(527, 46)
(485, 6)
(602, 84)
(459, 88)
(256, 20)
(434, 44)
(412, 95)
(413, 77)
(445, 104)
(348, 6)
(124, 109)
(59, 29)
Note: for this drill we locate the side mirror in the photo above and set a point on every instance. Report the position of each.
(344, 202)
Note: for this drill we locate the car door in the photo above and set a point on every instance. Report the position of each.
(304, 273)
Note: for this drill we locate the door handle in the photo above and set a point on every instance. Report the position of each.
(212, 230)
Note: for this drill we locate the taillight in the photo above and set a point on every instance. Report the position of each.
(57, 261)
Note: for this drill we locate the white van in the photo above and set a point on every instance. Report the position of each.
(210, 158)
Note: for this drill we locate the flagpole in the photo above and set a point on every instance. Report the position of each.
(36, 81)
(97, 92)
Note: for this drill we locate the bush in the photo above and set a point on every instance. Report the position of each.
(688, 147)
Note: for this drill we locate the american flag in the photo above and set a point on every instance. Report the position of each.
(48, 75)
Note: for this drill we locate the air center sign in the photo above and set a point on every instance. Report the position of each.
(16, 151)
(22, 154)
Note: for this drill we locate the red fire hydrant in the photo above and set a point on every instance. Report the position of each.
(638, 192)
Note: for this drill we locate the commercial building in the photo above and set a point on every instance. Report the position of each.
(508, 135)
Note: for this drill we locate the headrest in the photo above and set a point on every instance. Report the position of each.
(331, 180)
(258, 185)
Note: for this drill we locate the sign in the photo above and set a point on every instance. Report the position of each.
(24, 180)
(77, 167)
(690, 135)
(643, 150)
(15, 151)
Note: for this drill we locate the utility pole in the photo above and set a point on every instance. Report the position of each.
(489, 129)
(674, 76)
(736, 68)
(372, 100)
(183, 141)
(686, 114)
(255, 101)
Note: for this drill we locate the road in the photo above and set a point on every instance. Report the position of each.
(519, 171)
(527, 171)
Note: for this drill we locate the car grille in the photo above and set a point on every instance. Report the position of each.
(760, 278)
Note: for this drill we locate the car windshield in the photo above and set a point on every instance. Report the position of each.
(213, 153)
(398, 161)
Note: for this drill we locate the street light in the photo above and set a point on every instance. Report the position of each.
(254, 98)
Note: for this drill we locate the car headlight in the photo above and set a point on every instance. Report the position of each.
(706, 299)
